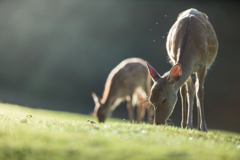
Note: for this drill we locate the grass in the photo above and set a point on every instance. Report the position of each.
(32, 134)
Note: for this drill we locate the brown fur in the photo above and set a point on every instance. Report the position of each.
(128, 80)
(192, 47)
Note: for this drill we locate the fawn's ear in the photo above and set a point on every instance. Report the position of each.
(154, 74)
(96, 99)
(175, 73)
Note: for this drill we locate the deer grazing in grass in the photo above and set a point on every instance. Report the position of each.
(192, 47)
(127, 81)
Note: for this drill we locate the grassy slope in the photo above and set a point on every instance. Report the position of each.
(60, 135)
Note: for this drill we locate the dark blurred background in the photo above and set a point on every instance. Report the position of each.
(53, 54)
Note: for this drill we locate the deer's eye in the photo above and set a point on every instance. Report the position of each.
(164, 100)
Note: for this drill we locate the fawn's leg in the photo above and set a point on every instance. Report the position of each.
(150, 113)
(201, 75)
(149, 107)
(190, 98)
(183, 93)
(141, 106)
(129, 108)
(140, 111)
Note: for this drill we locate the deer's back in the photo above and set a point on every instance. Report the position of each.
(192, 34)
(126, 77)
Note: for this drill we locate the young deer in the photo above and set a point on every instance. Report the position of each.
(127, 81)
(192, 47)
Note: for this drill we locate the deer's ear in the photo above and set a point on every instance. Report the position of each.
(175, 73)
(205, 15)
(154, 74)
(96, 99)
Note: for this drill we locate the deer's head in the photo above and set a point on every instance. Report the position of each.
(163, 95)
(100, 110)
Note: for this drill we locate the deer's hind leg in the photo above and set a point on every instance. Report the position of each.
(150, 113)
(140, 102)
(187, 92)
(140, 112)
(201, 75)
(190, 99)
(143, 105)
(130, 108)
(183, 93)
(148, 106)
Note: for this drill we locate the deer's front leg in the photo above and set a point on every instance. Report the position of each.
(150, 113)
(190, 98)
(183, 93)
(201, 74)
(140, 112)
(129, 108)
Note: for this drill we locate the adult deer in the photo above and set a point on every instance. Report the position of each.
(192, 47)
(127, 81)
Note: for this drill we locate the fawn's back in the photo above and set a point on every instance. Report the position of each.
(126, 77)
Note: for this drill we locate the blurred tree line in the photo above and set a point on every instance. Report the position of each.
(53, 54)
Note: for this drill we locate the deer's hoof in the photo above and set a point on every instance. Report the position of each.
(183, 124)
(190, 126)
(203, 127)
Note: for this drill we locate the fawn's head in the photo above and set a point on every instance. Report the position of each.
(163, 95)
(100, 110)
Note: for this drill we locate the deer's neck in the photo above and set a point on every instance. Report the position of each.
(108, 102)
(187, 64)
(107, 97)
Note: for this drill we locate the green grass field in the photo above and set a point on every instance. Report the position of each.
(32, 134)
